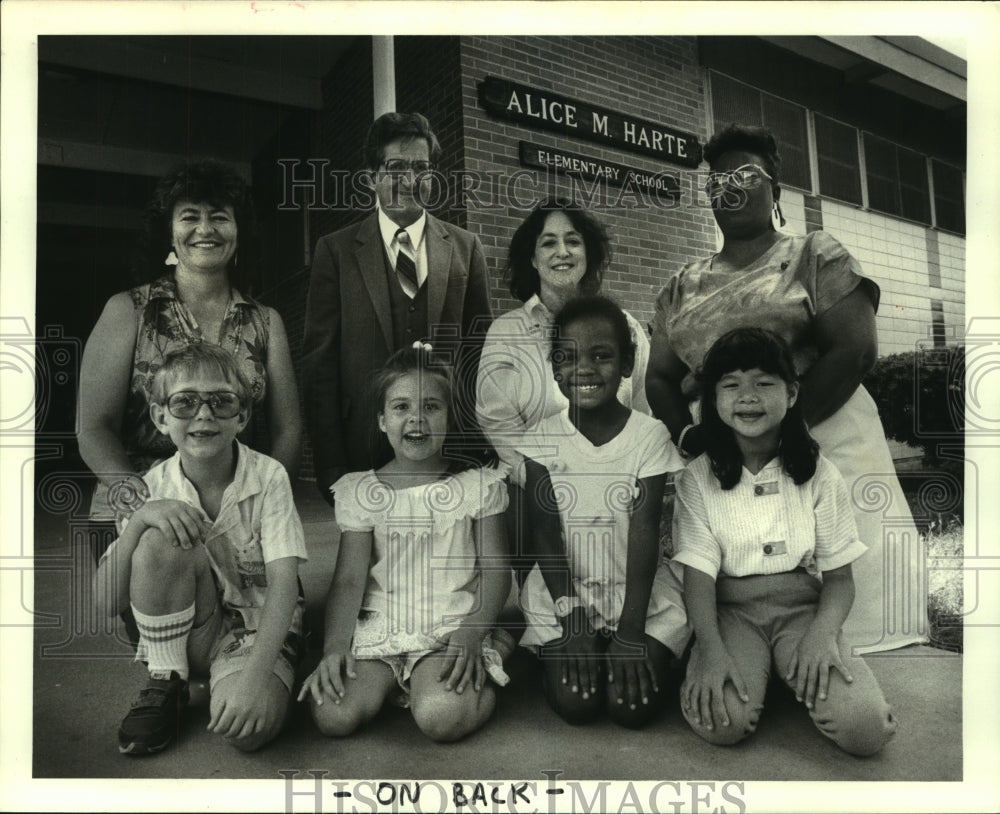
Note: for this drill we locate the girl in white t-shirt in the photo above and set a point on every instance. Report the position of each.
(422, 571)
(603, 611)
(765, 535)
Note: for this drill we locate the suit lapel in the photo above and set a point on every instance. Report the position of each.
(439, 249)
(370, 256)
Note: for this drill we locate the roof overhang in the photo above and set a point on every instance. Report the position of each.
(909, 66)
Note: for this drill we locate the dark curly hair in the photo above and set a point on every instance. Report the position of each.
(597, 307)
(391, 126)
(746, 349)
(757, 140)
(522, 277)
(201, 181)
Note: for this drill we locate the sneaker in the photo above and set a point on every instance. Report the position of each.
(152, 722)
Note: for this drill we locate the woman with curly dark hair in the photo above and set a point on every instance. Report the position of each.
(810, 291)
(559, 252)
(192, 269)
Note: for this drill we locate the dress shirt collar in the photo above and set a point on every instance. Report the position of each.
(245, 482)
(388, 228)
(538, 310)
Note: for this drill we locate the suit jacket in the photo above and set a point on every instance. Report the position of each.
(348, 332)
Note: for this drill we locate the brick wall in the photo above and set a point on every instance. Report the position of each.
(655, 78)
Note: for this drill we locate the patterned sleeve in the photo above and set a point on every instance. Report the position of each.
(281, 532)
(837, 272)
(659, 454)
(494, 490)
(664, 304)
(837, 541)
(694, 542)
(475, 493)
(355, 495)
(637, 380)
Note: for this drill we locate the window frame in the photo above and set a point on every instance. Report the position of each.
(815, 187)
(785, 183)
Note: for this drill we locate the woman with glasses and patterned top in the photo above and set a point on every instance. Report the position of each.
(196, 256)
(811, 291)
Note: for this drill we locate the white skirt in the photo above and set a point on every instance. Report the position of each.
(890, 579)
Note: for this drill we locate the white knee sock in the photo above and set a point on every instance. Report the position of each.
(163, 641)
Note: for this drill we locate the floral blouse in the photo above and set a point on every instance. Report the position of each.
(165, 324)
(785, 290)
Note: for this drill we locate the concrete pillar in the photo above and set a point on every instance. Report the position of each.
(383, 74)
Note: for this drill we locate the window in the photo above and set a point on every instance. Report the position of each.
(937, 323)
(837, 156)
(897, 180)
(913, 190)
(949, 198)
(733, 101)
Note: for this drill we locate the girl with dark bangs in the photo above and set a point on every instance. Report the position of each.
(814, 293)
(765, 537)
(746, 349)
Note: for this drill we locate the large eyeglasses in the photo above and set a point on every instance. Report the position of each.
(397, 166)
(749, 176)
(187, 403)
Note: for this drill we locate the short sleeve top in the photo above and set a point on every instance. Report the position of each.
(424, 566)
(257, 523)
(766, 524)
(796, 280)
(515, 387)
(595, 486)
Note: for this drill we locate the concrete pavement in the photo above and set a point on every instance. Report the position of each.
(84, 681)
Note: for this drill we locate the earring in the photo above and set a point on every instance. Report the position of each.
(171, 259)
(777, 218)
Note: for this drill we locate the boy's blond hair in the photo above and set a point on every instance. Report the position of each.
(200, 359)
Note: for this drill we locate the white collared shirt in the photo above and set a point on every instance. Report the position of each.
(766, 524)
(415, 230)
(256, 524)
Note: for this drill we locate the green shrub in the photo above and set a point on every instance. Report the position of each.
(921, 400)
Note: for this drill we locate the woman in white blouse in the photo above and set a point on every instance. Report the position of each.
(559, 252)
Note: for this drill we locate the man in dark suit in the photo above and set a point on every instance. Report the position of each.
(398, 276)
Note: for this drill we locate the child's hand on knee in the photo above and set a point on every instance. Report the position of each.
(810, 666)
(703, 694)
(630, 670)
(580, 658)
(242, 713)
(327, 680)
(463, 660)
(180, 523)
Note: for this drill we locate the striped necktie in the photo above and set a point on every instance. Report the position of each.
(406, 267)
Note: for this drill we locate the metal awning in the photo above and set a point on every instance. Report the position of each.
(909, 66)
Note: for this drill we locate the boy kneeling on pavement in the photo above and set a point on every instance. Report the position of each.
(209, 565)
